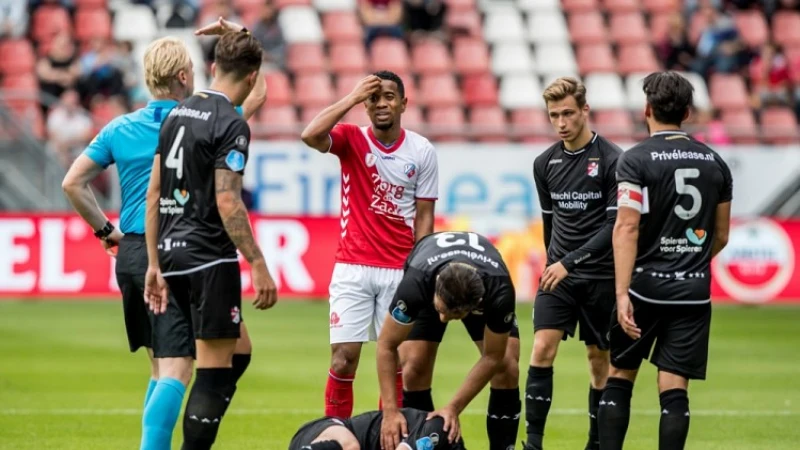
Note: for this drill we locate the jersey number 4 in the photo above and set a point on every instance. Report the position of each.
(175, 155)
(684, 188)
(445, 240)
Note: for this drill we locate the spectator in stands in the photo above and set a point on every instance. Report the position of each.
(269, 34)
(424, 18)
(69, 127)
(769, 74)
(13, 18)
(59, 69)
(381, 18)
(100, 75)
(712, 129)
(720, 49)
(131, 71)
(675, 50)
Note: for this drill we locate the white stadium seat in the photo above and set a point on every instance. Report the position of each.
(324, 6)
(503, 26)
(511, 58)
(604, 91)
(521, 91)
(548, 27)
(701, 99)
(300, 24)
(134, 22)
(555, 59)
(633, 87)
(539, 5)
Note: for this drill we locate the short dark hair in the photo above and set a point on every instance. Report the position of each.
(670, 96)
(239, 54)
(391, 76)
(460, 287)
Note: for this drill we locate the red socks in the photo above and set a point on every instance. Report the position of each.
(398, 388)
(339, 395)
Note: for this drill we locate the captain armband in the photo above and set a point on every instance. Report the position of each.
(629, 195)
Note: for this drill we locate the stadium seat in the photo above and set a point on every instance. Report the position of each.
(580, 6)
(697, 24)
(779, 126)
(662, 6)
(279, 90)
(595, 58)
(659, 26)
(389, 54)
(511, 58)
(555, 59)
(348, 57)
(701, 98)
(16, 57)
(334, 5)
(604, 91)
(90, 3)
(637, 58)
(92, 24)
(446, 124)
(503, 26)
(521, 91)
(492, 6)
(635, 98)
(470, 56)
(464, 23)
(280, 4)
(412, 118)
(587, 28)
(300, 24)
(278, 123)
(431, 57)
(628, 28)
(740, 125)
(135, 22)
(346, 82)
(480, 90)
(531, 125)
(305, 57)
(752, 27)
(357, 116)
(313, 90)
(728, 92)
(786, 28)
(615, 124)
(438, 91)
(461, 5)
(24, 84)
(308, 113)
(488, 124)
(49, 20)
(621, 6)
(547, 27)
(539, 6)
(342, 26)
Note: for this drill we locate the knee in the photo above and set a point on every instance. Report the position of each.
(544, 350)
(344, 361)
(178, 368)
(351, 445)
(507, 375)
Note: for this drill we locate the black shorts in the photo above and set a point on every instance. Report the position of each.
(211, 297)
(169, 335)
(680, 334)
(311, 430)
(577, 301)
(429, 328)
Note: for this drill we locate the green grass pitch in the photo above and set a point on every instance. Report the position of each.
(67, 381)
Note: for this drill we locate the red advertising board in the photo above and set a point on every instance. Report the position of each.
(56, 255)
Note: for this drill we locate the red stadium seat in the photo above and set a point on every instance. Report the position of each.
(90, 3)
(461, 5)
(439, 91)
(579, 6)
(346, 82)
(305, 58)
(752, 27)
(357, 116)
(412, 118)
(342, 26)
(531, 125)
(662, 6)
(280, 4)
(16, 57)
(595, 58)
(446, 123)
(793, 55)
(279, 89)
(92, 23)
(278, 123)
(431, 57)
(309, 112)
(786, 28)
(389, 54)
(464, 23)
(697, 24)
(628, 28)
(659, 26)
(622, 6)
(614, 124)
(587, 28)
(49, 20)
(728, 92)
(779, 126)
(637, 58)
(26, 84)
(488, 124)
(470, 56)
(480, 90)
(740, 126)
(313, 90)
(348, 57)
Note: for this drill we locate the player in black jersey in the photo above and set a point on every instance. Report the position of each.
(363, 432)
(196, 221)
(452, 276)
(674, 216)
(578, 195)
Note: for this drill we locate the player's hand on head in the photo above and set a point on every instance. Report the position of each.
(394, 429)
(625, 317)
(451, 423)
(155, 290)
(365, 88)
(553, 275)
(264, 285)
(218, 28)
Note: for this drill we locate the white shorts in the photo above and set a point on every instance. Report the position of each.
(360, 297)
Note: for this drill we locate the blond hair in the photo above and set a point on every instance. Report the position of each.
(565, 87)
(163, 60)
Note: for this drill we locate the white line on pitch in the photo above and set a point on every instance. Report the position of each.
(300, 411)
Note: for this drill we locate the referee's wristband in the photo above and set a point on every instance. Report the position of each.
(105, 232)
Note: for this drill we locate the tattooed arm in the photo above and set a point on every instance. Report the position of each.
(234, 214)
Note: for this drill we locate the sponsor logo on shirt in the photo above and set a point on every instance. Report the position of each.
(575, 200)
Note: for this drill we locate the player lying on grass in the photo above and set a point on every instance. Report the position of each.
(453, 276)
(363, 432)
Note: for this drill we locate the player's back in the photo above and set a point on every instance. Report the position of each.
(437, 249)
(682, 181)
(201, 134)
(423, 434)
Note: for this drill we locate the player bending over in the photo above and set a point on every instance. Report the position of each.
(363, 432)
(196, 221)
(578, 196)
(674, 216)
(453, 276)
(389, 188)
(129, 141)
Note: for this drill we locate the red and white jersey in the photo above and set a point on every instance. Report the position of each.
(380, 187)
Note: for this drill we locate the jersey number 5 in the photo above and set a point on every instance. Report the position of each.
(683, 188)
(175, 155)
(445, 240)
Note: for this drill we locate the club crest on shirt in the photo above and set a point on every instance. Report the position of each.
(592, 169)
(410, 170)
(370, 159)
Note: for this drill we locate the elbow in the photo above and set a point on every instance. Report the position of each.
(70, 185)
(309, 138)
(721, 240)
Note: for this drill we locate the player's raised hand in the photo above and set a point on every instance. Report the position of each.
(394, 429)
(111, 243)
(365, 88)
(264, 285)
(451, 423)
(553, 275)
(625, 317)
(155, 290)
(218, 28)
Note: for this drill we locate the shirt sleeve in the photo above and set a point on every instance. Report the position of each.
(232, 149)
(340, 135)
(540, 179)
(500, 316)
(100, 150)
(610, 180)
(410, 298)
(726, 191)
(627, 169)
(428, 178)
